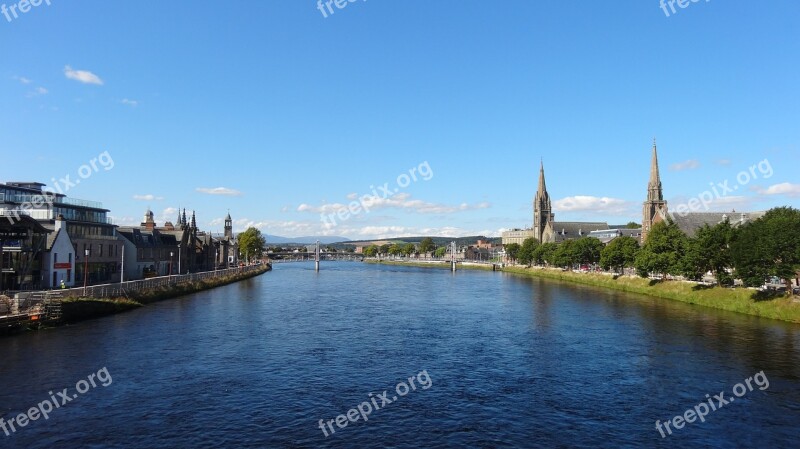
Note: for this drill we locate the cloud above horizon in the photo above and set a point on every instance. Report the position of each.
(400, 201)
(585, 203)
(691, 164)
(82, 76)
(224, 191)
(148, 197)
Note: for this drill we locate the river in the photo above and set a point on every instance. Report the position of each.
(471, 359)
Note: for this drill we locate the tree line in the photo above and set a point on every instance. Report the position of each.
(760, 249)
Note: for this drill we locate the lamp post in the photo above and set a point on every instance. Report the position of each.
(86, 253)
(216, 255)
(171, 255)
(179, 258)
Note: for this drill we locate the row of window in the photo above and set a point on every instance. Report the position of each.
(99, 250)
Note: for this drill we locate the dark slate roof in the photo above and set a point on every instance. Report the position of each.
(575, 229)
(143, 238)
(690, 222)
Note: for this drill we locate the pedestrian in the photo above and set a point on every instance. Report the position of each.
(63, 286)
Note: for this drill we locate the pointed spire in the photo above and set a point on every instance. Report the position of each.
(178, 221)
(183, 219)
(229, 215)
(194, 222)
(654, 192)
(542, 187)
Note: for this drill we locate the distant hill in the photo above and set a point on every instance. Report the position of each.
(273, 239)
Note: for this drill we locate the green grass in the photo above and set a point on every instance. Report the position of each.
(739, 300)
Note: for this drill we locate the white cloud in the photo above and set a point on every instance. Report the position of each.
(128, 102)
(23, 80)
(604, 205)
(784, 188)
(38, 92)
(724, 162)
(219, 191)
(691, 164)
(400, 201)
(290, 228)
(148, 197)
(82, 76)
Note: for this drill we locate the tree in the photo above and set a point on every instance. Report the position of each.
(714, 252)
(440, 252)
(619, 253)
(426, 245)
(525, 254)
(384, 249)
(633, 225)
(769, 246)
(544, 253)
(663, 251)
(408, 249)
(566, 255)
(251, 243)
(395, 249)
(371, 251)
(512, 251)
(587, 250)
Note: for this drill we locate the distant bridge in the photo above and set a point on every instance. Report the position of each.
(310, 257)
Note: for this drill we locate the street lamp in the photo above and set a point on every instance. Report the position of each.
(171, 255)
(179, 258)
(86, 253)
(216, 256)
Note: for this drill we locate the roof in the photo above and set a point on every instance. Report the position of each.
(607, 235)
(691, 222)
(142, 238)
(565, 230)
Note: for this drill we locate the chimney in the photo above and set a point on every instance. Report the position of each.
(60, 222)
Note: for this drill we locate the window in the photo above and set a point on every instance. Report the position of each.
(55, 257)
(101, 251)
(69, 275)
(69, 256)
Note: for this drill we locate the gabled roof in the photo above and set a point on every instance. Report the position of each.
(575, 229)
(691, 222)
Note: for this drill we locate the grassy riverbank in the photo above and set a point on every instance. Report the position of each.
(739, 300)
(79, 309)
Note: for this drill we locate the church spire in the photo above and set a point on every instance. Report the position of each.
(542, 209)
(654, 192)
(655, 208)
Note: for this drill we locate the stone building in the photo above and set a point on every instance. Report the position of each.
(545, 228)
(654, 209)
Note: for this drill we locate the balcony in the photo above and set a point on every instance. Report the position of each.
(79, 203)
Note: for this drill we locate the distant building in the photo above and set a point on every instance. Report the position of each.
(175, 248)
(607, 235)
(517, 236)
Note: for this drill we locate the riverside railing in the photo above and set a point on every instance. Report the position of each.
(122, 289)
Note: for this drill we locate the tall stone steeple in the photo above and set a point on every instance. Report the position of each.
(229, 226)
(655, 208)
(542, 209)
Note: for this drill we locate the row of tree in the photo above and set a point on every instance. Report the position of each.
(763, 248)
(426, 246)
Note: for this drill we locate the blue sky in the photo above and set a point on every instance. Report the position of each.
(279, 114)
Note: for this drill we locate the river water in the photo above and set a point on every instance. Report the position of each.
(495, 360)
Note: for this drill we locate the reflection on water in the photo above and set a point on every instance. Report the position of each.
(515, 362)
